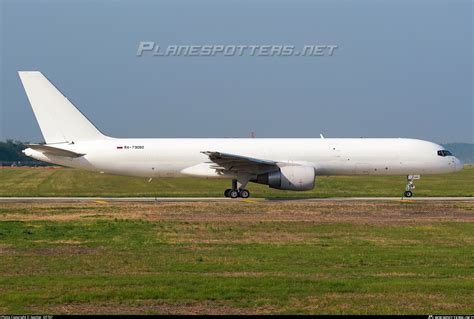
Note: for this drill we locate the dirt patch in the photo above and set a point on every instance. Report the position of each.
(4, 250)
(371, 213)
(66, 242)
(55, 251)
(409, 302)
(157, 307)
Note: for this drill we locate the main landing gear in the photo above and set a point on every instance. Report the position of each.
(410, 185)
(238, 189)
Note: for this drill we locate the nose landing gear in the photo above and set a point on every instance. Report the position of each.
(238, 189)
(410, 185)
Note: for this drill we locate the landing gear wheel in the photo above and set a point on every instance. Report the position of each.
(234, 193)
(244, 193)
(410, 185)
(238, 188)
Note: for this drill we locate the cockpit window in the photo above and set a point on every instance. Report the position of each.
(444, 153)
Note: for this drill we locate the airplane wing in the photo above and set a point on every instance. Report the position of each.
(231, 163)
(46, 149)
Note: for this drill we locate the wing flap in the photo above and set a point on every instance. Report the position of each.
(231, 163)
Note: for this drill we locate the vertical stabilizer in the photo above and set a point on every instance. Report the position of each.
(59, 120)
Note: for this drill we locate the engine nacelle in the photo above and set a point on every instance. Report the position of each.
(295, 178)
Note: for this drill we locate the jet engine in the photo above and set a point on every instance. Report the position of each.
(295, 178)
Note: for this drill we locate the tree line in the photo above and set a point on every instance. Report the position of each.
(10, 154)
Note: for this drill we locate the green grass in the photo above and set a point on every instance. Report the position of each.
(71, 182)
(99, 264)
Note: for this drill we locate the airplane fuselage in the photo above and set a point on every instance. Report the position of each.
(148, 157)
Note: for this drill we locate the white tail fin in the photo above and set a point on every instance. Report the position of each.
(59, 120)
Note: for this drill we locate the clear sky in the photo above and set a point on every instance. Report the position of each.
(402, 69)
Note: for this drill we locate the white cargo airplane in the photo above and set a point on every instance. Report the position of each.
(281, 163)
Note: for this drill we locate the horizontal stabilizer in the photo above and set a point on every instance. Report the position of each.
(46, 149)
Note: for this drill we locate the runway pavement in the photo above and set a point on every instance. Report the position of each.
(213, 199)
